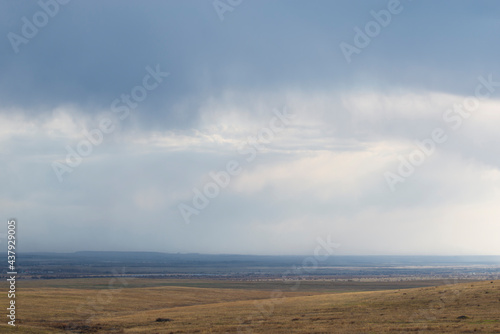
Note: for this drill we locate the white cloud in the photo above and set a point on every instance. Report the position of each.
(319, 176)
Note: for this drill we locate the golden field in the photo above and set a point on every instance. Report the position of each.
(121, 305)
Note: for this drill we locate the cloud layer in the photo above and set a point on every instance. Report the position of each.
(93, 159)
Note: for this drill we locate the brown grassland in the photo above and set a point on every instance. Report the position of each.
(197, 306)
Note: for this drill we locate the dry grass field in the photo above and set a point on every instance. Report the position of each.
(161, 306)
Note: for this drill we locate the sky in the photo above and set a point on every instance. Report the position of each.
(251, 126)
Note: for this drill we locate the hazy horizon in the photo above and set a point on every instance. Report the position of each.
(277, 255)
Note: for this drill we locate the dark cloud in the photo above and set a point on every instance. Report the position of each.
(91, 52)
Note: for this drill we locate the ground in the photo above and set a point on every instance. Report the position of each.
(120, 305)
